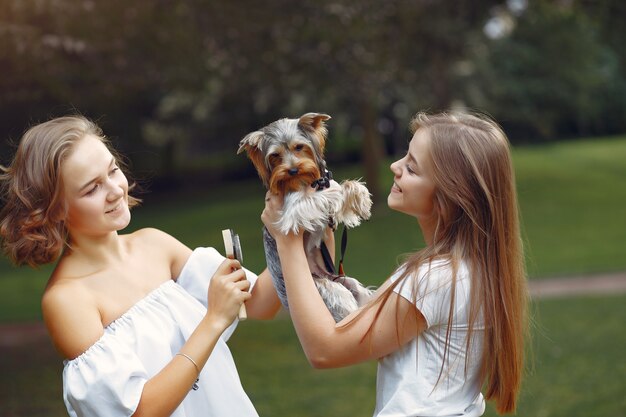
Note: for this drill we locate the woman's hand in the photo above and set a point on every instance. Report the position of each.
(270, 216)
(227, 291)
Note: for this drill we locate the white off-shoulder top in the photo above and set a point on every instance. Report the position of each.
(108, 378)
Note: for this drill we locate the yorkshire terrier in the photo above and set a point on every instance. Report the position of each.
(288, 154)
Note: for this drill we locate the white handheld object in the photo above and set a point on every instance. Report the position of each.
(233, 251)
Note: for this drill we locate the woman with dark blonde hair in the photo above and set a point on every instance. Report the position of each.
(452, 318)
(141, 320)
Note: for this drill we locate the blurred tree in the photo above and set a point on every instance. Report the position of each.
(550, 77)
(353, 60)
(608, 17)
(109, 60)
(187, 79)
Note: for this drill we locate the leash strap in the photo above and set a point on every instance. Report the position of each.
(328, 260)
(320, 184)
(344, 245)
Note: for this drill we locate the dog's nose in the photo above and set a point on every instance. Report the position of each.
(293, 171)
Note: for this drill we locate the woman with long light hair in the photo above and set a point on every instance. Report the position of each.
(450, 322)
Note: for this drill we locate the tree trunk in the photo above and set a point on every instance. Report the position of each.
(372, 149)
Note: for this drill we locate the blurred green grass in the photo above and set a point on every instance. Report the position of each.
(573, 201)
(575, 369)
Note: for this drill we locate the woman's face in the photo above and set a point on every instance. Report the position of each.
(95, 190)
(413, 188)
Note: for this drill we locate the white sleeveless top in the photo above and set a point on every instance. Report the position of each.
(108, 378)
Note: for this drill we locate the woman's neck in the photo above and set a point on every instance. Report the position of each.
(428, 226)
(98, 250)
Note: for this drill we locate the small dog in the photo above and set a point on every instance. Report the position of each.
(288, 154)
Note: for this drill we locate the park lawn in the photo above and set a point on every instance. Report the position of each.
(576, 369)
(573, 205)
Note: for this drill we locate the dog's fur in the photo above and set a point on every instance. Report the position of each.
(288, 154)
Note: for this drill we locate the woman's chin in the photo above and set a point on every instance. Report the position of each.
(392, 202)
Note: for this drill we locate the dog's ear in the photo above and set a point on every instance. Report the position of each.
(250, 144)
(314, 123)
(251, 140)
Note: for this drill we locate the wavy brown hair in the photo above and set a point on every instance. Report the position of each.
(32, 219)
(478, 223)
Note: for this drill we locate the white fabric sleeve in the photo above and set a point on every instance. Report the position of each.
(196, 275)
(105, 381)
(432, 297)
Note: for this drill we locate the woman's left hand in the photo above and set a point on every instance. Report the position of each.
(270, 216)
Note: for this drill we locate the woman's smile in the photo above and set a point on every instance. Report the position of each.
(116, 209)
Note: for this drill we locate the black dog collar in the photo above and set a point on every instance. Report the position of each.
(324, 182)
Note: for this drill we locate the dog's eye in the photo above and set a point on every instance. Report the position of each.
(299, 147)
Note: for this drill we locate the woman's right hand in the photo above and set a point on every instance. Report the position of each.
(227, 291)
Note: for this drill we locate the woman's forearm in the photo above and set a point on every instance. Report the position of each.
(264, 303)
(164, 392)
(167, 389)
(313, 322)
(372, 333)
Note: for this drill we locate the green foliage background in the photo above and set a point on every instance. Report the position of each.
(178, 82)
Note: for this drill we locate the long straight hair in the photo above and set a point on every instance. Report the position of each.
(478, 223)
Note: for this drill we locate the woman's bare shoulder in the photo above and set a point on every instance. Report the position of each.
(71, 315)
(156, 243)
(156, 238)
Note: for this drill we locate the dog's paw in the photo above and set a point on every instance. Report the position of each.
(361, 294)
(357, 203)
(309, 210)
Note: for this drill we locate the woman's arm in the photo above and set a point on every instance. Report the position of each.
(72, 318)
(330, 345)
(264, 303)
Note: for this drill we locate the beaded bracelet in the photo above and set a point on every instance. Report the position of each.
(195, 384)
